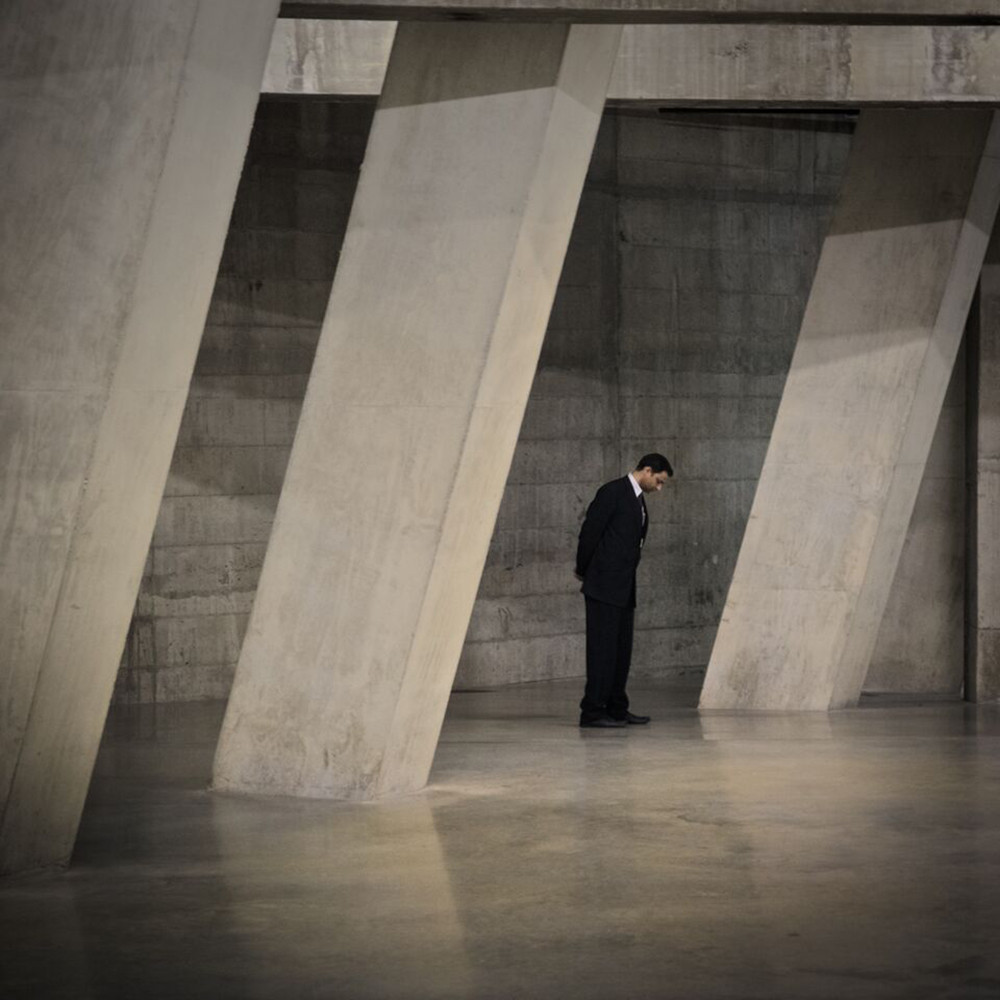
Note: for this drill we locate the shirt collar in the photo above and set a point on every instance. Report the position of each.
(635, 485)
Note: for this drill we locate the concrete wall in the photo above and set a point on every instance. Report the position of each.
(673, 327)
(269, 300)
(722, 218)
(983, 465)
(920, 645)
(528, 619)
(715, 224)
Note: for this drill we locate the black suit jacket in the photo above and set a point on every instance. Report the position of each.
(610, 544)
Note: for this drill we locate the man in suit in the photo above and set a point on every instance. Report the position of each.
(607, 555)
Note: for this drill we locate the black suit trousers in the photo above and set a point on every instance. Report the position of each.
(609, 655)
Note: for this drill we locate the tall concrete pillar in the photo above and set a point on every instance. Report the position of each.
(124, 124)
(474, 167)
(983, 622)
(881, 329)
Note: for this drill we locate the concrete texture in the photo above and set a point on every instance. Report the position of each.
(921, 642)
(858, 412)
(336, 58)
(692, 229)
(675, 318)
(982, 12)
(464, 207)
(527, 622)
(759, 857)
(708, 64)
(245, 397)
(796, 65)
(208, 547)
(124, 126)
(983, 625)
(720, 224)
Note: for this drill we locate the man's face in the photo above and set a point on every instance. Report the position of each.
(649, 481)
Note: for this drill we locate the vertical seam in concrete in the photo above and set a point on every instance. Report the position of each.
(82, 492)
(973, 346)
(973, 645)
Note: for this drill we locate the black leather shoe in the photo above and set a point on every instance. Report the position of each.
(602, 722)
(635, 720)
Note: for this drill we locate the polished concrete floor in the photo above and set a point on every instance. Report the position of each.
(853, 855)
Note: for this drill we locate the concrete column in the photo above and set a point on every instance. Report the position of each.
(921, 641)
(983, 624)
(124, 124)
(878, 341)
(474, 168)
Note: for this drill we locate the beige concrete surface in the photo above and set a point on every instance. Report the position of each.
(921, 641)
(878, 341)
(124, 129)
(341, 58)
(650, 11)
(983, 635)
(463, 211)
(673, 325)
(795, 65)
(713, 857)
(680, 65)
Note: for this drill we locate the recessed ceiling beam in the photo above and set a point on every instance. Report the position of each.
(698, 65)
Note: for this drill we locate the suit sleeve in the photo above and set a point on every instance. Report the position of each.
(596, 520)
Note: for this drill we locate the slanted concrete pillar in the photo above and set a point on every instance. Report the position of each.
(983, 624)
(475, 164)
(123, 124)
(921, 640)
(851, 438)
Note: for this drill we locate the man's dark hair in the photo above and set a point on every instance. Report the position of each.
(655, 461)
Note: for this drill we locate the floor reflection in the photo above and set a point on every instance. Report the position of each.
(717, 856)
(343, 900)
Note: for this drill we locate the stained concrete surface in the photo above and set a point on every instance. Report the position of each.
(983, 622)
(673, 326)
(672, 329)
(124, 126)
(863, 395)
(684, 64)
(921, 641)
(465, 202)
(850, 854)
